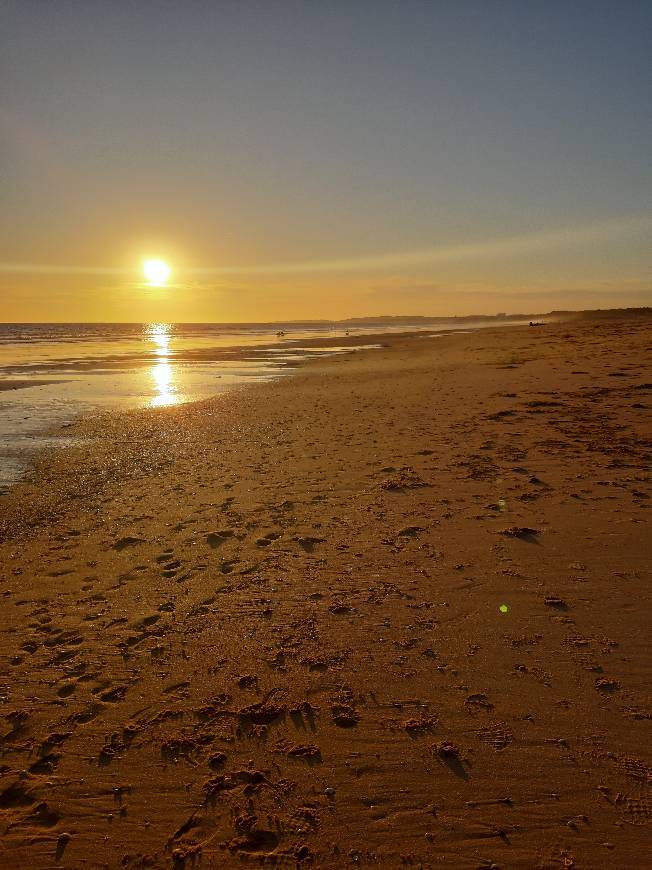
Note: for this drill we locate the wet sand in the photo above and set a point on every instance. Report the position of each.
(24, 383)
(391, 611)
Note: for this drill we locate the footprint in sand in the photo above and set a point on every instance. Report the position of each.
(269, 538)
(41, 816)
(14, 796)
(177, 690)
(146, 621)
(169, 565)
(308, 542)
(171, 568)
(113, 695)
(127, 541)
(216, 539)
(217, 760)
(344, 715)
(45, 765)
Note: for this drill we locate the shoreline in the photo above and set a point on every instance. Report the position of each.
(274, 633)
(115, 381)
(269, 360)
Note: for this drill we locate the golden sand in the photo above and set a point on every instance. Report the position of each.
(392, 611)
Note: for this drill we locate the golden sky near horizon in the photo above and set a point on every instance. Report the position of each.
(572, 268)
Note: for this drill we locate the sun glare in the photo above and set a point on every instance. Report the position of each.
(157, 272)
(163, 373)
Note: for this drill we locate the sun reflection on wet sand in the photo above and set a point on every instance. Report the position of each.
(163, 376)
(162, 373)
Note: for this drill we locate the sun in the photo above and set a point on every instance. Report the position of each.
(157, 272)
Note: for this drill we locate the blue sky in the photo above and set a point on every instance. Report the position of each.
(237, 139)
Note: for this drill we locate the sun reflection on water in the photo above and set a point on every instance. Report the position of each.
(160, 334)
(162, 373)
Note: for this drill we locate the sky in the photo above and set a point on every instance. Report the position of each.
(294, 160)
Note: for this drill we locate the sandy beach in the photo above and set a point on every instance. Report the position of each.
(390, 611)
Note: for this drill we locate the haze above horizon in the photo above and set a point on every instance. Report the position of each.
(287, 161)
